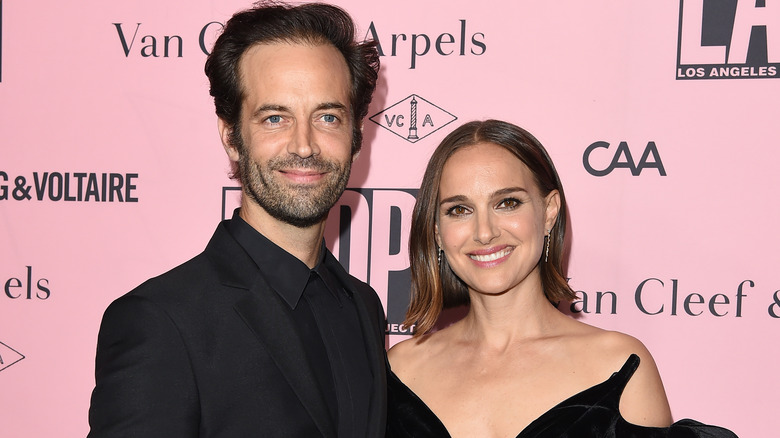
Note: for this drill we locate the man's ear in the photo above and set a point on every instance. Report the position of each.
(225, 132)
(357, 154)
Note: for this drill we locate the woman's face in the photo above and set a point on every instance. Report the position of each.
(492, 218)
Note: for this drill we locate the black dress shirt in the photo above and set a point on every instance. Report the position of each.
(325, 315)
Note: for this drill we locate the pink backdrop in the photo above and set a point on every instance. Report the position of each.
(689, 236)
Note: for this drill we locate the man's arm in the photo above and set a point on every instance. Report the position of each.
(144, 381)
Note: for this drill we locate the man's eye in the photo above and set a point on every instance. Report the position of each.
(329, 118)
(275, 119)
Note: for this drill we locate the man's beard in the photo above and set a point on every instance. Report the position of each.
(298, 205)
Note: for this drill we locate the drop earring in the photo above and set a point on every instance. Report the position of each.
(547, 247)
(439, 256)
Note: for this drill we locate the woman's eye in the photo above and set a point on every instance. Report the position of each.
(509, 203)
(457, 210)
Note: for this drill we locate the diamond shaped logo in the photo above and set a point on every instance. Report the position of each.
(8, 356)
(413, 118)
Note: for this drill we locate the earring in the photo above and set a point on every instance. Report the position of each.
(547, 247)
(439, 256)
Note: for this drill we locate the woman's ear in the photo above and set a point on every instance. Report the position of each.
(553, 201)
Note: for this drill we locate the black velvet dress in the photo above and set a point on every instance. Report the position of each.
(592, 413)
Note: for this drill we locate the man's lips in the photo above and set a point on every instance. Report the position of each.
(302, 175)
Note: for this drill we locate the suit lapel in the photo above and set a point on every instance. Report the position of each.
(269, 318)
(374, 340)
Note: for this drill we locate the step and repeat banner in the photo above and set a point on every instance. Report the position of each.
(660, 116)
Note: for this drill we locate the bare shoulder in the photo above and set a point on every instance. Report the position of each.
(644, 399)
(406, 354)
(607, 350)
(401, 352)
(411, 357)
(616, 347)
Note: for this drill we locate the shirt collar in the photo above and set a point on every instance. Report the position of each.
(285, 273)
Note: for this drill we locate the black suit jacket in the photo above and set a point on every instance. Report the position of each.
(208, 349)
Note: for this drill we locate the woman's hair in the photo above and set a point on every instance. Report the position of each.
(434, 286)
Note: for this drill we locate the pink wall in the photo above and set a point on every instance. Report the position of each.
(75, 106)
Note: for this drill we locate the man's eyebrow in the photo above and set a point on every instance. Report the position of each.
(331, 105)
(281, 108)
(269, 107)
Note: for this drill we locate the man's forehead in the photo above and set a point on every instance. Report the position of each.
(291, 76)
(283, 59)
(271, 51)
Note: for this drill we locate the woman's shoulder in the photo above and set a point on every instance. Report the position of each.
(410, 356)
(605, 348)
(401, 352)
(614, 348)
(644, 399)
(604, 352)
(407, 353)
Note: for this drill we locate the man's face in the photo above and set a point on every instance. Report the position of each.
(296, 130)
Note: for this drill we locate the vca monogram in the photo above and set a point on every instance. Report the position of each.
(413, 118)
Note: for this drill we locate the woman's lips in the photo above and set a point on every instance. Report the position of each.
(490, 254)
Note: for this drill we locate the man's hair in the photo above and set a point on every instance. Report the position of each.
(434, 285)
(272, 22)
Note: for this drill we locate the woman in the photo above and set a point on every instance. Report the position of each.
(488, 231)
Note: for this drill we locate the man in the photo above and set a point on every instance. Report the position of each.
(264, 333)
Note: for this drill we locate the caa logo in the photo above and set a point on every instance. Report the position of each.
(622, 158)
(368, 232)
(413, 118)
(728, 39)
(8, 356)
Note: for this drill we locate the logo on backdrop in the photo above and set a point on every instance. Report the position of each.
(728, 39)
(416, 46)
(413, 118)
(153, 46)
(27, 287)
(8, 356)
(598, 154)
(673, 297)
(368, 232)
(231, 200)
(139, 39)
(69, 186)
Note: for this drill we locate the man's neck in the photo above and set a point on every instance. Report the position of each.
(303, 243)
